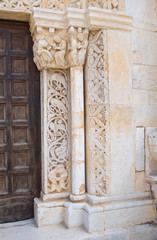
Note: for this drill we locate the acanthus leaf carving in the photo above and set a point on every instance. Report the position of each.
(96, 84)
(58, 131)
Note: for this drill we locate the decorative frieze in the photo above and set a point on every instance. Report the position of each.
(107, 4)
(96, 84)
(56, 4)
(25, 5)
(58, 131)
(76, 3)
(61, 5)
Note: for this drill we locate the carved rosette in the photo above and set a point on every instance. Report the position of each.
(97, 120)
(58, 131)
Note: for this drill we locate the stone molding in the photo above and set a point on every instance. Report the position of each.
(61, 37)
(91, 18)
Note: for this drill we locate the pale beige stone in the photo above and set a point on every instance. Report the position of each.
(137, 58)
(143, 13)
(50, 213)
(140, 182)
(122, 150)
(74, 214)
(77, 131)
(144, 41)
(152, 98)
(151, 166)
(130, 216)
(144, 77)
(145, 115)
(140, 97)
(140, 151)
(120, 56)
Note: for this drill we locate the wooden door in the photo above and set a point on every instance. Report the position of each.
(19, 123)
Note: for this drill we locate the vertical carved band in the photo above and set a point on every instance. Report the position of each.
(58, 131)
(97, 119)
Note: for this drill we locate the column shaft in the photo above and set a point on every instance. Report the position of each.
(77, 131)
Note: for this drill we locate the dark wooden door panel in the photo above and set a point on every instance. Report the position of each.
(19, 123)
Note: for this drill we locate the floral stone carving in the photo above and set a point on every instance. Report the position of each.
(75, 4)
(56, 4)
(96, 84)
(58, 130)
(25, 5)
(107, 4)
(63, 4)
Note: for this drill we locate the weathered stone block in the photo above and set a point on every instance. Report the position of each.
(139, 149)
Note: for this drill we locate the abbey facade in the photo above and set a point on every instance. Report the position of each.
(98, 109)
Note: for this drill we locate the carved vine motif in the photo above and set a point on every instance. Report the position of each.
(97, 111)
(56, 4)
(75, 4)
(77, 46)
(50, 48)
(106, 4)
(58, 155)
(63, 4)
(25, 5)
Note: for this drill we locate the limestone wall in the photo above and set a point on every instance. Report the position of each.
(144, 80)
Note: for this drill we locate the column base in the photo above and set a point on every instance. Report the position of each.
(98, 214)
(77, 198)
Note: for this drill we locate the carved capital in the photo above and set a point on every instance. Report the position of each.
(78, 43)
(50, 48)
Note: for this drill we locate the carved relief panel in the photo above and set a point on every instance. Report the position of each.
(59, 48)
(58, 126)
(26, 5)
(61, 5)
(96, 85)
(107, 4)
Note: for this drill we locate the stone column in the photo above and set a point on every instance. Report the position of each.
(77, 132)
(77, 51)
